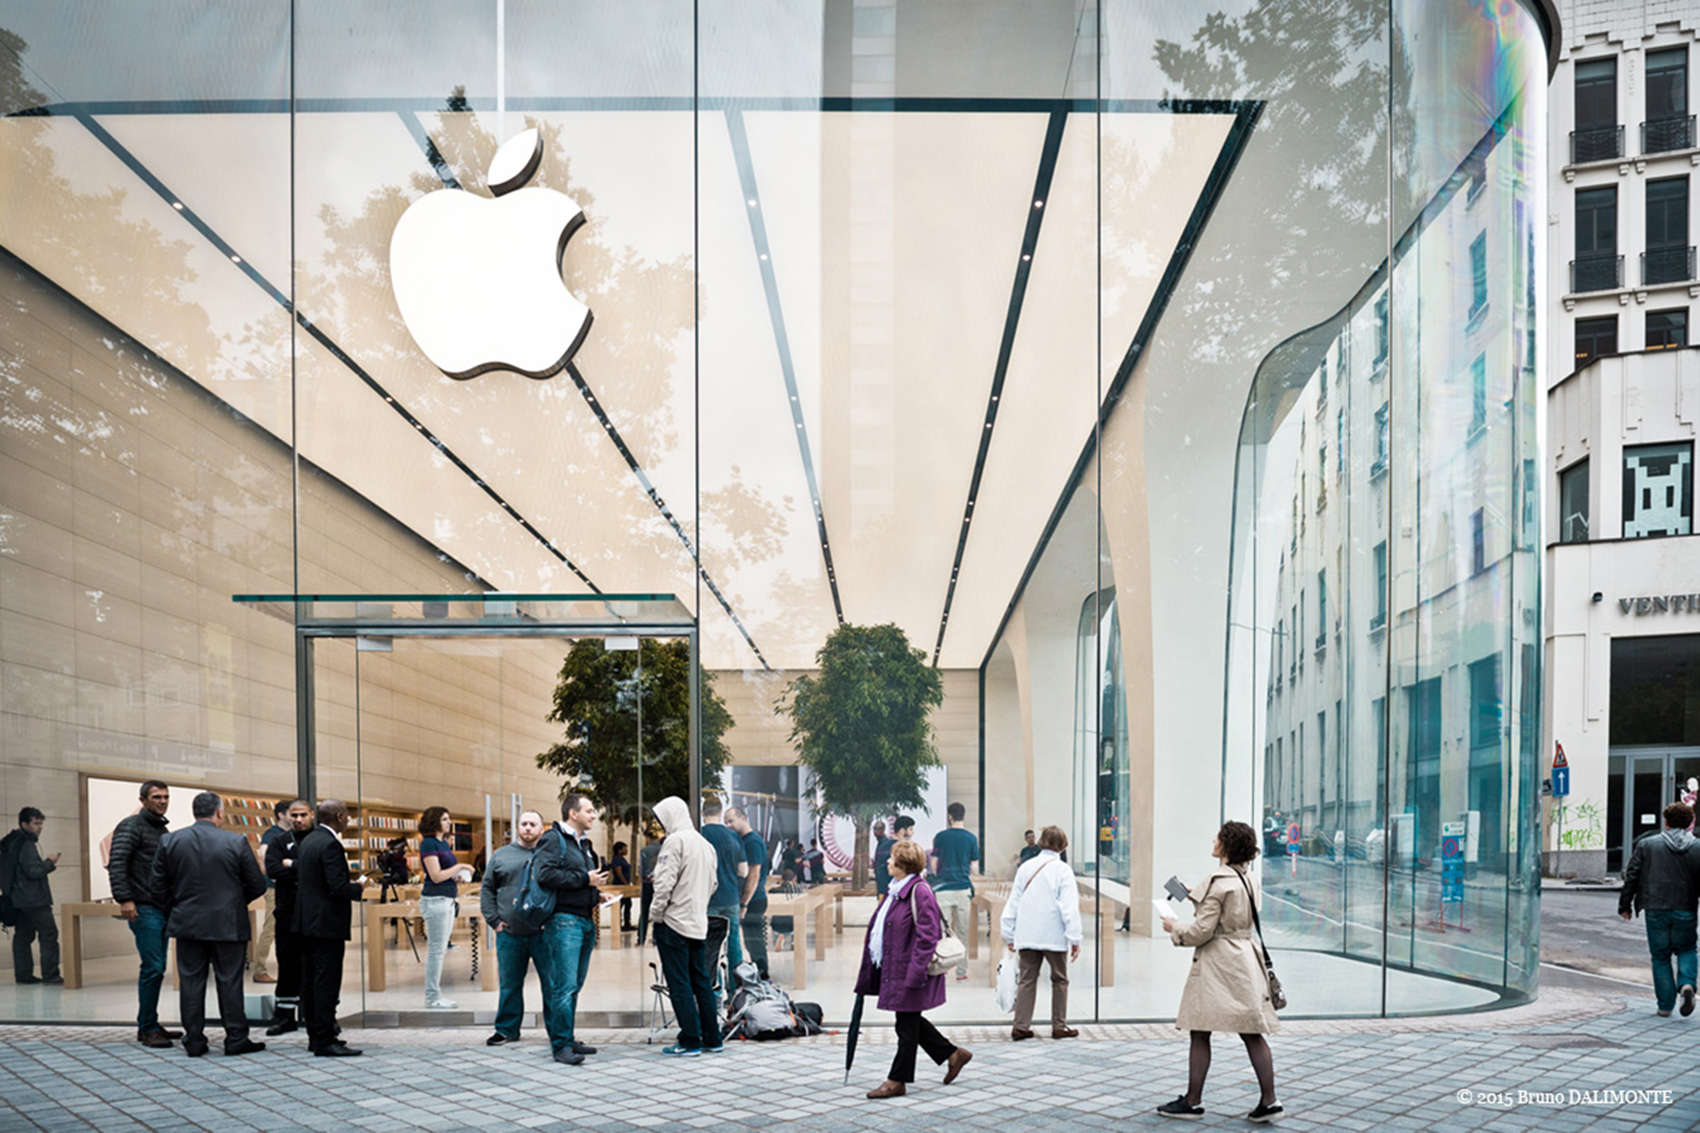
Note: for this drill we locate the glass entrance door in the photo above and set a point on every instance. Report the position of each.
(1653, 780)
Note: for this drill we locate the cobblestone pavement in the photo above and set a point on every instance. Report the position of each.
(1369, 1074)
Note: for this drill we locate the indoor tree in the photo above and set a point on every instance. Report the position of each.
(861, 728)
(598, 696)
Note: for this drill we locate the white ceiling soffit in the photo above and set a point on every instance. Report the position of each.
(893, 238)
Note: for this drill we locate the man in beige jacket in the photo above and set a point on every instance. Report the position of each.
(686, 936)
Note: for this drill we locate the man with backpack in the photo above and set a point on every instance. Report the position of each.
(23, 877)
(565, 865)
(518, 944)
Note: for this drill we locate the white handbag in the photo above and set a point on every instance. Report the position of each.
(948, 952)
(1008, 978)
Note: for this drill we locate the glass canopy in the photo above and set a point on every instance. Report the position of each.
(565, 614)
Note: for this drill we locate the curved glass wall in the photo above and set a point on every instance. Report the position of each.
(1162, 372)
(1384, 642)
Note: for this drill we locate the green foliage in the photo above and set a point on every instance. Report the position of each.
(596, 697)
(860, 725)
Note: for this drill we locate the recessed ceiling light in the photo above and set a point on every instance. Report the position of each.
(234, 258)
(1025, 257)
(752, 202)
(1038, 204)
(178, 205)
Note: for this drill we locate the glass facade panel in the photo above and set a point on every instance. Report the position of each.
(565, 389)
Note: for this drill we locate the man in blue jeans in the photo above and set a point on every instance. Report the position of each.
(1662, 881)
(566, 863)
(726, 900)
(518, 945)
(129, 868)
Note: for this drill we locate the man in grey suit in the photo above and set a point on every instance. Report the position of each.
(205, 877)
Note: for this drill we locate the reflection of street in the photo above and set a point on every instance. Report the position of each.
(1320, 903)
(1580, 930)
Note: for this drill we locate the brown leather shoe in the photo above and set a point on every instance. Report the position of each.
(264, 978)
(1064, 1032)
(957, 1061)
(1019, 1033)
(888, 1089)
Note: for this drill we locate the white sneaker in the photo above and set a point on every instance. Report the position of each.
(442, 1005)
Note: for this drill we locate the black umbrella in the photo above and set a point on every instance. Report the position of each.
(850, 1044)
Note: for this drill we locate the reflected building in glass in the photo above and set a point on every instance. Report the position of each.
(1166, 376)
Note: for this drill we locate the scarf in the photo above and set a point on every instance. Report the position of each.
(876, 937)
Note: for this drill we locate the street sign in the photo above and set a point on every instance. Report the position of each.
(1560, 782)
(1293, 838)
(1558, 759)
(1452, 838)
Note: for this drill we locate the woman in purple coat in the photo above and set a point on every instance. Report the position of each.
(905, 930)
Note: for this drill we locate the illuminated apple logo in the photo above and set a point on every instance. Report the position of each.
(478, 280)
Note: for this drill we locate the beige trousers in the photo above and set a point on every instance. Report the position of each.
(1027, 989)
(957, 907)
(268, 933)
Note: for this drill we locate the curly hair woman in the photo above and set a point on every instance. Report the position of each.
(1227, 988)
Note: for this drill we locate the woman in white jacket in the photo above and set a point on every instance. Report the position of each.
(685, 935)
(1041, 922)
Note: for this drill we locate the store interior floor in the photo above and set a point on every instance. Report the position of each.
(1149, 971)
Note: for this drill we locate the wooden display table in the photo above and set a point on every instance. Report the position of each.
(614, 934)
(1111, 915)
(815, 904)
(71, 914)
(377, 914)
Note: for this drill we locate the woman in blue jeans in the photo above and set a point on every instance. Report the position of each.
(437, 899)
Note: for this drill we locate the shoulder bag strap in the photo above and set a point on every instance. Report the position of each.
(915, 916)
(1257, 923)
(1031, 878)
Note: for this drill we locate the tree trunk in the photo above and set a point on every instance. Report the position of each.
(859, 857)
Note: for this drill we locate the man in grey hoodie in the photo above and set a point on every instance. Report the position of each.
(518, 945)
(1662, 880)
(686, 873)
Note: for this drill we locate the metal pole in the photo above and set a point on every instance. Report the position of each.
(637, 819)
(305, 746)
(695, 682)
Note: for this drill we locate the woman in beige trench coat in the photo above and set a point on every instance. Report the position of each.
(1226, 989)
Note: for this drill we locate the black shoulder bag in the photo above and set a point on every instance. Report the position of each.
(1276, 996)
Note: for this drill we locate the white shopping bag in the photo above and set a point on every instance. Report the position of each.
(1007, 981)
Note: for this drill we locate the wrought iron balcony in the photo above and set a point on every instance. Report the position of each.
(1596, 273)
(1667, 265)
(1596, 143)
(1662, 135)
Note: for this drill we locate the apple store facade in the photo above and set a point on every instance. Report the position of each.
(453, 404)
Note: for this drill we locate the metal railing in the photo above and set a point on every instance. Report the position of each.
(1662, 135)
(1596, 143)
(1667, 265)
(1596, 273)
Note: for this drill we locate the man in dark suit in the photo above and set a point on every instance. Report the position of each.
(206, 877)
(280, 869)
(324, 905)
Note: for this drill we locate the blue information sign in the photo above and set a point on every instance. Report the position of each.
(1452, 862)
(1560, 782)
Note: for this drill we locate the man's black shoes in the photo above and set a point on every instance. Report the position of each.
(499, 1039)
(194, 1050)
(157, 1040)
(246, 1046)
(337, 1050)
(568, 1057)
(282, 1027)
(582, 1048)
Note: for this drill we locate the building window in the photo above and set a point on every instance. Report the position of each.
(1478, 275)
(1321, 608)
(1596, 267)
(1666, 329)
(1596, 136)
(1486, 704)
(1322, 383)
(1669, 126)
(1339, 444)
(1381, 330)
(1478, 541)
(1379, 464)
(1655, 690)
(1668, 258)
(1595, 337)
(1658, 490)
(1573, 503)
(1478, 394)
(1379, 618)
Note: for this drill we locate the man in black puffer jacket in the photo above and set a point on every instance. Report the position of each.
(130, 870)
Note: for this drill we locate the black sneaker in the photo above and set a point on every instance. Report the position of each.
(1179, 1108)
(1264, 1114)
(28, 980)
(578, 1047)
(568, 1057)
(1687, 994)
(499, 1039)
